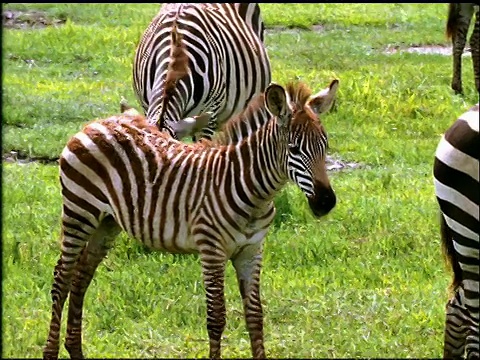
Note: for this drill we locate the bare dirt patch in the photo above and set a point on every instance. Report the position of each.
(336, 164)
(424, 50)
(21, 157)
(293, 30)
(32, 19)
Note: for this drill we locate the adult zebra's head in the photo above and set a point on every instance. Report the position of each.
(303, 140)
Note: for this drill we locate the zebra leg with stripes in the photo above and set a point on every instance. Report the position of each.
(456, 179)
(475, 48)
(92, 255)
(82, 245)
(248, 265)
(213, 261)
(458, 23)
(461, 327)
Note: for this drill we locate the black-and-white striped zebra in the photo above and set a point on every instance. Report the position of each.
(212, 198)
(456, 179)
(228, 64)
(458, 23)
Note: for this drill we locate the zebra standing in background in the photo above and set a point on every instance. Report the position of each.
(458, 22)
(456, 179)
(212, 198)
(228, 64)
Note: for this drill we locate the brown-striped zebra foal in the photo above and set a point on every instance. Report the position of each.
(212, 198)
(458, 22)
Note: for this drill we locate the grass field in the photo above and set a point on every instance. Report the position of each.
(366, 281)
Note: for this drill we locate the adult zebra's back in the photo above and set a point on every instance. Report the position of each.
(228, 63)
(456, 179)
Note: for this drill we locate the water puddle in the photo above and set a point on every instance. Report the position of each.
(424, 50)
(31, 19)
(21, 157)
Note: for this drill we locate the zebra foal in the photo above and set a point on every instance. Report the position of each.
(227, 64)
(456, 180)
(214, 198)
(458, 22)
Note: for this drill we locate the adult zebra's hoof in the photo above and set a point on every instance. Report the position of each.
(457, 89)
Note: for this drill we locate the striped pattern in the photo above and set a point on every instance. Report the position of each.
(456, 179)
(458, 22)
(228, 64)
(212, 198)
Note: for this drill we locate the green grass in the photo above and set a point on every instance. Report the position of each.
(366, 281)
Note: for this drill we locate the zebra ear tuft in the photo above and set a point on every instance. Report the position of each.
(277, 103)
(126, 109)
(322, 101)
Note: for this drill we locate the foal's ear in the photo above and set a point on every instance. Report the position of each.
(322, 101)
(277, 102)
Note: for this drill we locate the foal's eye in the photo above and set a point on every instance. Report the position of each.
(294, 148)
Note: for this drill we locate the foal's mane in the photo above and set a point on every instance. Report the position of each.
(255, 115)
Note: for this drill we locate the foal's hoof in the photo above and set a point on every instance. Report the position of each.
(50, 355)
(75, 354)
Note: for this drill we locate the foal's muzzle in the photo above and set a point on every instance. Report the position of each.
(322, 202)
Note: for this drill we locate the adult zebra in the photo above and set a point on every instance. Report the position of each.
(212, 198)
(456, 179)
(228, 64)
(458, 22)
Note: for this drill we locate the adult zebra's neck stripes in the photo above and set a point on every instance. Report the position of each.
(456, 179)
(227, 64)
(212, 198)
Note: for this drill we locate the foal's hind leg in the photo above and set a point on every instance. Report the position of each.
(74, 240)
(96, 250)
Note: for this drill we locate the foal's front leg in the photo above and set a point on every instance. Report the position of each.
(213, 267)
(248, 263)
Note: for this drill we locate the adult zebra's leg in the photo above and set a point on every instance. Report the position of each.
(95, 251)
(73, 242)
(461, 326)
(475, 48)
(455, 336)
(459, 40)
(472, 343)
(208, 131)
(248, 263)
(471, 301)
(213, 262)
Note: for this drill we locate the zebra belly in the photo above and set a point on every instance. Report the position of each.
(166, 231)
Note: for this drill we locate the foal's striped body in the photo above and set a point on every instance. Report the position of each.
(214, 198)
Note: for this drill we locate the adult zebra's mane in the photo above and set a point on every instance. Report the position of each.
(255, 115)
(177, 68)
